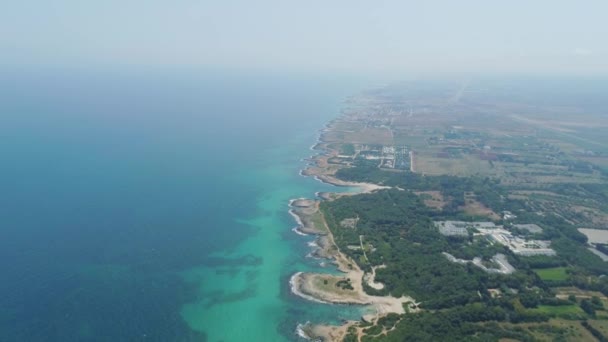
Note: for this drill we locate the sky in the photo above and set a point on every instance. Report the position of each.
(373, 36)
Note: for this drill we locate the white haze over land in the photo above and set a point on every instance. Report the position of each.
(543, 36)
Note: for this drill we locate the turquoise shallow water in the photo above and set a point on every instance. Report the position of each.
(246, 302)
(153, 206)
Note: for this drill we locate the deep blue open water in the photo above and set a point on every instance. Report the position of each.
(152, 206)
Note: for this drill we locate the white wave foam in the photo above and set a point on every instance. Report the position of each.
(297, 231)
(296, 291)
(296, 218)
(300, 331)
(313, 255)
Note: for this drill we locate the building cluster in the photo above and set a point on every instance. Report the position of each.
(497, 234)
(388, 157)
(507, 215)
(452, 228)
(532, 228)
(459, 228)
(499, 260)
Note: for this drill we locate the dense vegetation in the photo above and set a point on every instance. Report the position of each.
(396, 228)
(460, 324)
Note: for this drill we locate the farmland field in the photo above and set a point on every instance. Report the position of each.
(555, 273)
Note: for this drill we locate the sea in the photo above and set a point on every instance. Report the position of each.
(152, 205)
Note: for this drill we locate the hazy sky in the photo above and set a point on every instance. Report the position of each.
(455, 35)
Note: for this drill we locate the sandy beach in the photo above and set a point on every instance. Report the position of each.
(364, 187)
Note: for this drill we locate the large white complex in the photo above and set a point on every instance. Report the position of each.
(459, 228)
(532, 228)
(516, 244)
(452, 228)
(500, 261)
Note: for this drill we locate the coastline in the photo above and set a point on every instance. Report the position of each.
(327, 288)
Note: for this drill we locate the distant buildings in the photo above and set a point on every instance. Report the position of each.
(532, 228)
(499, 260)
(459, 228)
(452, 228)
(518, 245)
(507, 215)
(389, 157)
(388, 150)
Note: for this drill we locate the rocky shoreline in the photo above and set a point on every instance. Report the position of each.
(328, 288)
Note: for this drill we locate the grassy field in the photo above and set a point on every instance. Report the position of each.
(554, 273)
(318, 221)
(559, 310)
(554, 330)
(417, 142)
(432, 199)
(372, 136)
(564, 292)
(329, 284)
(601, 325)
(467, 165)
(476, 208)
